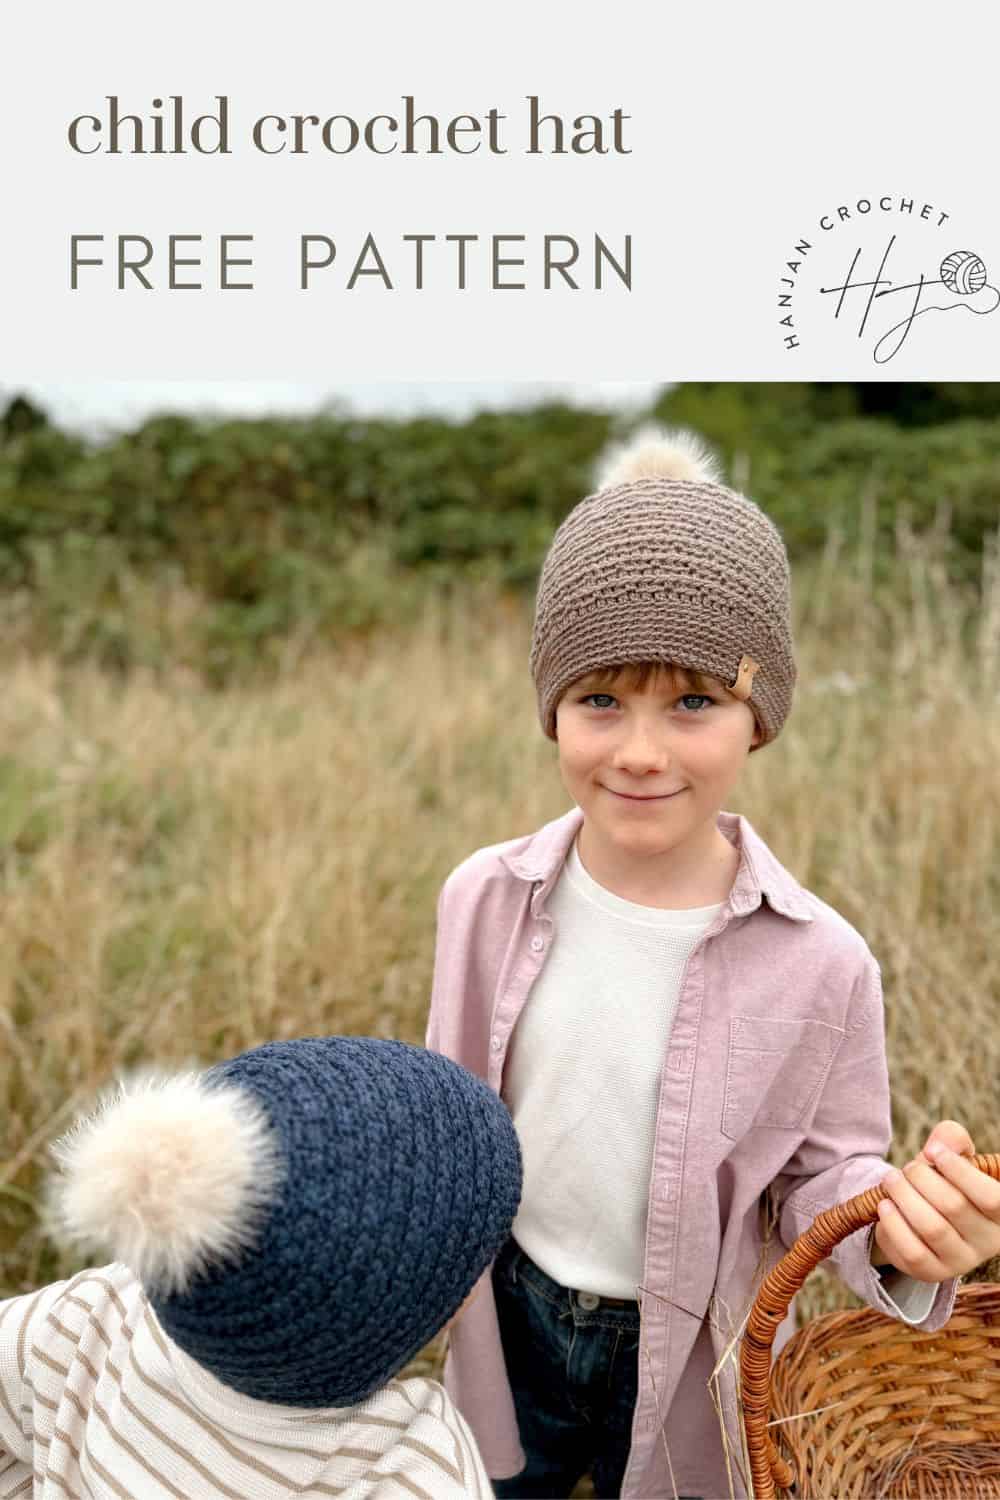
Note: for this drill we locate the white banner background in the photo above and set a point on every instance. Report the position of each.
(747, 125)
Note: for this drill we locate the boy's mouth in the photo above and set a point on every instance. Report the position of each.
(645, 797)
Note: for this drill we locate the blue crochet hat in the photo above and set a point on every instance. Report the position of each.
(305, 1217)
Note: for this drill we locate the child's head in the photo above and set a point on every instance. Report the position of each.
(303, 1218)
(664, 565)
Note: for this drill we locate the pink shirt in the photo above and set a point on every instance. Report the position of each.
(774, 1078)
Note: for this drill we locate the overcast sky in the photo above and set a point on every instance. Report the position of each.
(99, 405)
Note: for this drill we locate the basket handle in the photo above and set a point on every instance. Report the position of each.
(767, 1467)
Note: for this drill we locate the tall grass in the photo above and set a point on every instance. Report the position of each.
(189, 871)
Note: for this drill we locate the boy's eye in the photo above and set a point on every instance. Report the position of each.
(692, 702)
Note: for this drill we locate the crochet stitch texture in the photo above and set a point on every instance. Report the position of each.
(402, 1178)
(659, 569)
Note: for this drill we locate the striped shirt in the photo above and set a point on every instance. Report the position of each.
(97, 1404)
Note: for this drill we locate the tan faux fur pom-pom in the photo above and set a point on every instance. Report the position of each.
(169, 1174)
(654, 452)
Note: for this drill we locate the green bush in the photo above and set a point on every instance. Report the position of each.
(819, 456)
(331, 523)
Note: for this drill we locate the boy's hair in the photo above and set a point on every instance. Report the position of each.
(669, 567)
(303, 1218)
(634, 676)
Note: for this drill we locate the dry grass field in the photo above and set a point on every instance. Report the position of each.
(189, 871)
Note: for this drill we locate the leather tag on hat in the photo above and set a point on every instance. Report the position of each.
(743, 685)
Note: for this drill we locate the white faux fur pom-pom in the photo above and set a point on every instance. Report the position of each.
(658, 453)
(170, 1174)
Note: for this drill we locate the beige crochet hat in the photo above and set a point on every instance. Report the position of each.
(665, 564)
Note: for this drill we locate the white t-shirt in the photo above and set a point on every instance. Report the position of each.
(582, 1079)
(582, 1084)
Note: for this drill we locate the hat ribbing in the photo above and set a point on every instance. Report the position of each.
(680, 571)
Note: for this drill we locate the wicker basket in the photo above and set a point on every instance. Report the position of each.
(878, 1410)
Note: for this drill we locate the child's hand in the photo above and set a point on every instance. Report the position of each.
(942, 1216)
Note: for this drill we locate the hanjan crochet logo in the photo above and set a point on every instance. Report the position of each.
(875, 270)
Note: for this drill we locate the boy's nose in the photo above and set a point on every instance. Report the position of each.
(640, 750)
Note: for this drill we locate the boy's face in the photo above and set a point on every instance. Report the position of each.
(652, 765)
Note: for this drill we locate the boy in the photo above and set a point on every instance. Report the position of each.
(680, 1029)
(290, 1228)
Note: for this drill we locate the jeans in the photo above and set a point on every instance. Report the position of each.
(573, 1364)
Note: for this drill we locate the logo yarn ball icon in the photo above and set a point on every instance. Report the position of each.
(962, 271)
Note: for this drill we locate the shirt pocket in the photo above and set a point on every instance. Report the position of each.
(774, 1072)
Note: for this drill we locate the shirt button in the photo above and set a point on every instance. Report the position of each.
(537, 944)
(588, 1301)
(496, 1044)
